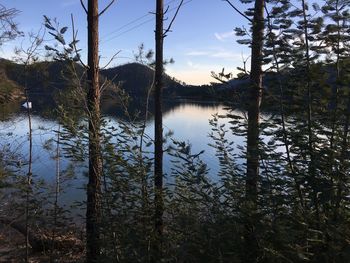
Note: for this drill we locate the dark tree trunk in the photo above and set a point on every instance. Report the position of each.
(93, 211)
(158, 134)
(253, 131)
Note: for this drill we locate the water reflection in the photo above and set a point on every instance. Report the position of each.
(188, 121)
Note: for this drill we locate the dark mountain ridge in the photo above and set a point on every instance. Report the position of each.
(136, 79)
(46, 79)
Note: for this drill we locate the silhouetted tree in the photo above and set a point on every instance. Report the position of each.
(253, 129)
(93, 210)
(158, 133)
(160, 34)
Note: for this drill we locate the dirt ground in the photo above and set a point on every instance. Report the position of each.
(12, 250)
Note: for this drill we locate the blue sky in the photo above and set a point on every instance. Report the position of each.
(202, 39)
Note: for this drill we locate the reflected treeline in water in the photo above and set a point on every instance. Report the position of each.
(46, 106)
(184, 118)
(136, 108)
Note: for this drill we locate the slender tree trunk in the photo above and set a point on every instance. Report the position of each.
(30, 161)
(93, 211)
(253, 131)
(336, 91)
(308, 69)
(312, 165)
(158, 134)
(339, 176)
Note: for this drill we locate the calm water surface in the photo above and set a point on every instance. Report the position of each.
(188, 121)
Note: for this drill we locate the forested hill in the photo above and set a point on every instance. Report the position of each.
(136, 79)
(48, 81)
(42, 78)
(48, 78)
(9, 89)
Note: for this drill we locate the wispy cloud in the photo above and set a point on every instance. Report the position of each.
(227, 55)
(68, 3)
(224, 36)
(219, 53)
(197, 53)
(193, 65)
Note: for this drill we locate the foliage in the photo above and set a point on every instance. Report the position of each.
(302, 212)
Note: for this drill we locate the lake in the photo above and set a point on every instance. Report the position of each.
(189, 122)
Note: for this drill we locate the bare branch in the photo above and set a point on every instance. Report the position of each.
(31, 54)
(108, 6)
(74, 43)
(173, 19)
(244, 60)
(84, 7)
(80, 91)
(111, 60)
(104, 85)
(238, 11)
(166, 10)
(8, 28)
